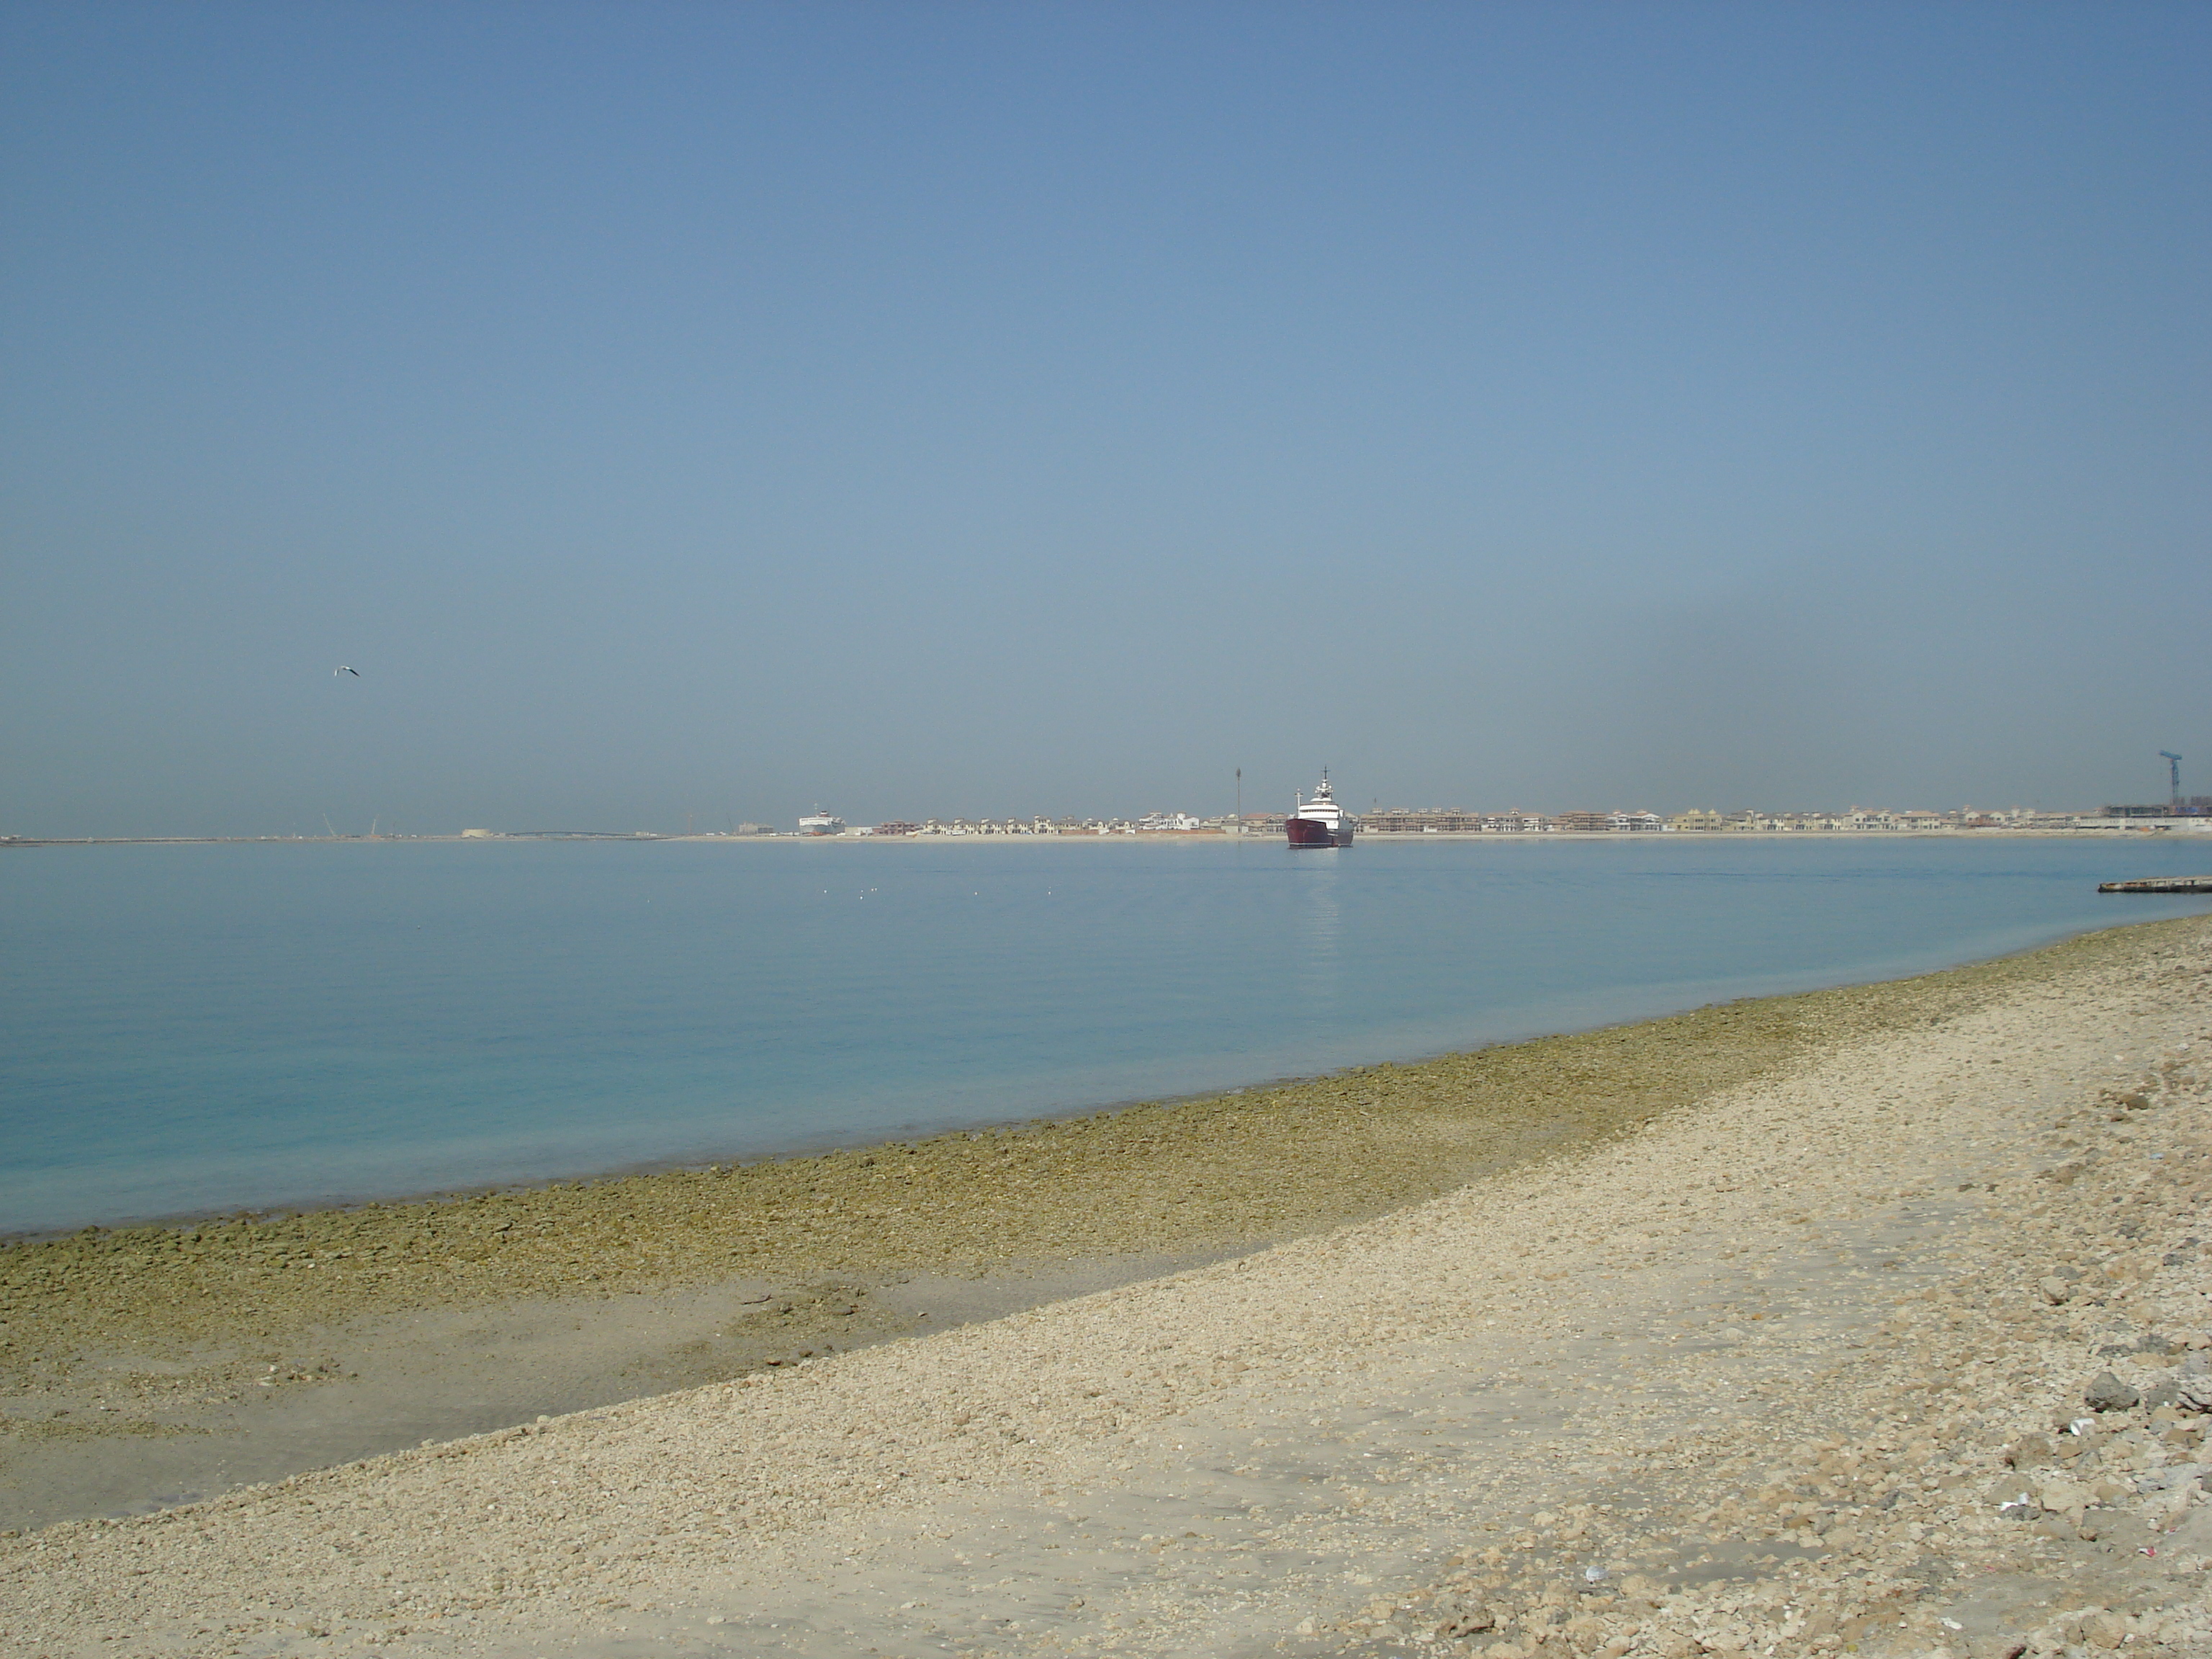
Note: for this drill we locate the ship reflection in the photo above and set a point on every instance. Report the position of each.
(1319, 922)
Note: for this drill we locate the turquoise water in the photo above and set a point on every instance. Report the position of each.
(193, 1027)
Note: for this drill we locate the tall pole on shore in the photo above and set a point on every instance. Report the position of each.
(1240, 800)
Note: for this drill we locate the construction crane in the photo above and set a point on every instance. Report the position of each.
(2173, 765)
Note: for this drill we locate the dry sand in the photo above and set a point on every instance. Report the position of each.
(1782, 1369)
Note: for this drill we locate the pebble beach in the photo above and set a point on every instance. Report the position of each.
(1872, 1320)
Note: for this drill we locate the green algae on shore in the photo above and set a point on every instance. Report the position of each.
(1218, 1173)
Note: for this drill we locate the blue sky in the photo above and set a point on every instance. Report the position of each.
(983, 409)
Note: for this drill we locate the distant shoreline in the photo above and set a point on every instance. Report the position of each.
(2120, 829)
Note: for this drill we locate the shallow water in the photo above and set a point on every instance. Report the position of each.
(191, 1028)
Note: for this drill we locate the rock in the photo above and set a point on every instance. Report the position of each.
(2170, 1511)
(1464, 1618)
(2106, 1630)
(2170, 1477)
(2109, 1394)
(2059, 1496)
(2193, 1393)
(2031, 1451)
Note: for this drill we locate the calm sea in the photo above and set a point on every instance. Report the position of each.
(195, 1028)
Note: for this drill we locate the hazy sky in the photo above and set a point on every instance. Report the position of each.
(981, 409)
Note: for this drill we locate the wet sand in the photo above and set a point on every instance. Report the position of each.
(1752, 1337)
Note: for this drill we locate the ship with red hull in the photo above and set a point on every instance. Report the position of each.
(1319, 822)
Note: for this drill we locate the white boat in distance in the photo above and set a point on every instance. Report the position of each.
(819, 823)
(1319, 822)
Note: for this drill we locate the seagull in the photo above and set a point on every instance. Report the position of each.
(343, 669)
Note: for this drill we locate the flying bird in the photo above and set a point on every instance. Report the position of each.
(343, 669)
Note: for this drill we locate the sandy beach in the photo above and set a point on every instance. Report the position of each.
(1761, 1330)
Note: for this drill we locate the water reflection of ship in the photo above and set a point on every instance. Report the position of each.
(1319, 978)
(1319, 822)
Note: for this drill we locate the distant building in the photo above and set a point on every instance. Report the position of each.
(1421, 821)
(1398, 821)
